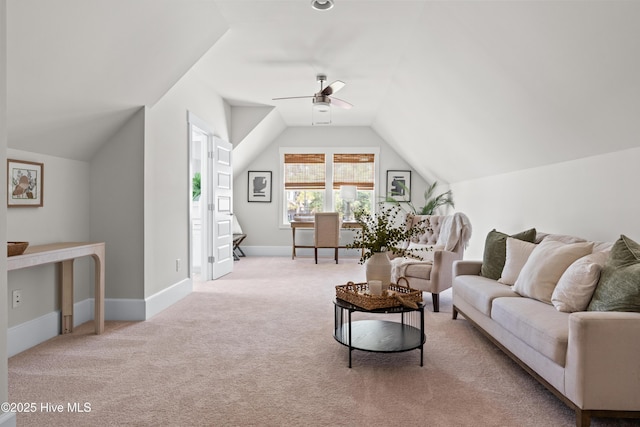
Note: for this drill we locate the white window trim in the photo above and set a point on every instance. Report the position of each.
(329, 152)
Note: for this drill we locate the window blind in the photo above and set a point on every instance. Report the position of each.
(304, 171)
(354, 169)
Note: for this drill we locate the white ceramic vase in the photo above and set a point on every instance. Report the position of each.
(378, 267)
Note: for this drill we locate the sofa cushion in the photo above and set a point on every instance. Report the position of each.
(479, 291)
(576, 285)
(539, 325)
(518, 252)
(619, 285)
(495, 249)
(545, 266)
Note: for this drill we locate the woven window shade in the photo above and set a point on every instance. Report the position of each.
(354, 169)
(304, 172)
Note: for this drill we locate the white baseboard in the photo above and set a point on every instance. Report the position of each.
(137, 309)
(33, 332)
(124, 309)
(167, 297)
(40, 329)
(282, 251)
(8, 419)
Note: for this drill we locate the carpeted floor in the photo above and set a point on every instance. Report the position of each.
(255, 348)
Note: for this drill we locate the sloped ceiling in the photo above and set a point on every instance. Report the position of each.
(462, 89)
(78, 69)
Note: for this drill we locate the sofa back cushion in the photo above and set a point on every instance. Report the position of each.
(576, 285)
(545, 266)
(619, 285)
(495, 251)
(518, 252)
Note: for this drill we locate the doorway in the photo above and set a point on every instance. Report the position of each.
(211, 202)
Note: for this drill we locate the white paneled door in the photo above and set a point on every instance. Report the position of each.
(221, 214)
(211, 211)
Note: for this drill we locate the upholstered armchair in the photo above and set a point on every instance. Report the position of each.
(440, 246)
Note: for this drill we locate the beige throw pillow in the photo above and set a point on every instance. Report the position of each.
(545, 266)
(575, 288)
(518, 252)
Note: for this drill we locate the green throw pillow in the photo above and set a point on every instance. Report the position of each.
(619, 285)
(495, 251)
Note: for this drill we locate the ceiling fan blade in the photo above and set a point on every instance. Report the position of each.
(340, 103)
(333, 87)
(291, 97)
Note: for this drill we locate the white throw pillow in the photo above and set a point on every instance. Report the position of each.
(424, 251)
(518, 252)
(575, 287)
(545, 266)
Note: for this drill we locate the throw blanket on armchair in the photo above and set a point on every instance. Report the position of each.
(455, 228)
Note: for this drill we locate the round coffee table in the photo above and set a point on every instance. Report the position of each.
(381, 336)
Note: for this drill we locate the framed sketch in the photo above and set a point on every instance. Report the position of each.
(25, 183)
(259, 186)
(399, 185)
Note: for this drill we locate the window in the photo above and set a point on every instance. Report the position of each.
(355, 169)
(312, 179)
(304, 183)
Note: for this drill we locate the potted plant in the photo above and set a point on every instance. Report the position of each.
(431, 202)
(381, 233)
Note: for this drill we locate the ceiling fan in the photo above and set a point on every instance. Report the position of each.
(324, 97)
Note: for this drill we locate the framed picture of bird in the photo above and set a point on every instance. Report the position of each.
(259, 186)
(25, 181)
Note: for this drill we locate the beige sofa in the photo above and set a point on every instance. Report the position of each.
(442, 244)
(589, 359)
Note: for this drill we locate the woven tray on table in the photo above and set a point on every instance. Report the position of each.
(397, 295)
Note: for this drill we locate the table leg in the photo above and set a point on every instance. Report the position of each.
(350, 347)
(98, 297)
(66, 271)
(293, 243)
(422, 337)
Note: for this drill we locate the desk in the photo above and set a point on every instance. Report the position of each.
(309, 224)
(65, 253)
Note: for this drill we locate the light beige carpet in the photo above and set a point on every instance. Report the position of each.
(256, 349)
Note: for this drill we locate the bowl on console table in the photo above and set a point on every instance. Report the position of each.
(16, 248)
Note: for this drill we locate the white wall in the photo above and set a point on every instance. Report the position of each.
(117, 208)
(167, 185)
(64, 217)
(260, 221)
(594, 197)
(4, 384)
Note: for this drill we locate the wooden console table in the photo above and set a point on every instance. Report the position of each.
(309, 224)
(65, 253)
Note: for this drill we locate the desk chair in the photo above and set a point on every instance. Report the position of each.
(238, 237)
(326, 229)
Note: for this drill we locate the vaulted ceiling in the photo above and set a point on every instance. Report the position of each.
(461, 89)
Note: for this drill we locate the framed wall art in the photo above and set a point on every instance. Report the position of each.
(399, 185)
(259, 186)
(26, 182)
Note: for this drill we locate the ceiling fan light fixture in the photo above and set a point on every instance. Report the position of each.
(321, 113)
(321, 4)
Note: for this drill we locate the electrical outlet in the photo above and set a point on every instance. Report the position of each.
(17, 298)
(178, 264)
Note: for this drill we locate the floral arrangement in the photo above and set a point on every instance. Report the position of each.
(385, 232)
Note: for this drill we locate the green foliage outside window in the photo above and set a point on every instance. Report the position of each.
(195, 187)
